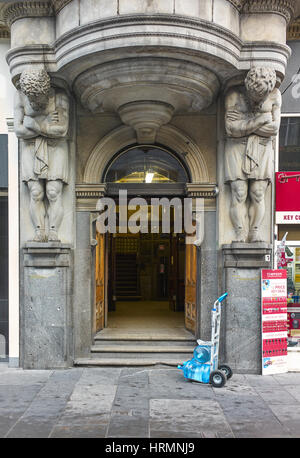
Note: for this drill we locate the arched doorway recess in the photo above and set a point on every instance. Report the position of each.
(117, 161)
(141, 287)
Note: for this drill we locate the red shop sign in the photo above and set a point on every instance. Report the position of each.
(287, 197)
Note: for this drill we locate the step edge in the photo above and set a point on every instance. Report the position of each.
(113, 349)
(147, 339)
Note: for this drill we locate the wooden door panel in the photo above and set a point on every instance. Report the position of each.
(100, 283)
(190, 288)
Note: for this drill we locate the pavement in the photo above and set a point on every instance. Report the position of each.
(145, 402)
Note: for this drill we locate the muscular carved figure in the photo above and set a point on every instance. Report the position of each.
(252, 120)
(42, 121)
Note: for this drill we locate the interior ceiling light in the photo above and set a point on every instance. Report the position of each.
(149, 177)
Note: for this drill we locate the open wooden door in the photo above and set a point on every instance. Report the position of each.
(100, 290)
(190, 309)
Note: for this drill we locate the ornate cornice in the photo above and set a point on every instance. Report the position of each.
(284, 7)
(17, 10)
(14, 9)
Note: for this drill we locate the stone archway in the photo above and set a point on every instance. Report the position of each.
(168, 136)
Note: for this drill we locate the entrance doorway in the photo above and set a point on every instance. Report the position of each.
(145, 282)
(148, 282)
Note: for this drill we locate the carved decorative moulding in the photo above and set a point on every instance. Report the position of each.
(17, 10)
(13, 10)
(284, 7)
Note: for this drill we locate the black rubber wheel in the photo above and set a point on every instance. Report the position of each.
(227, 370)
(217, 379)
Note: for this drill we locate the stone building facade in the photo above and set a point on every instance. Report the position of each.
(199, 79)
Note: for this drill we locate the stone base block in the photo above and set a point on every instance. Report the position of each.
(242, 264)
(46, 306)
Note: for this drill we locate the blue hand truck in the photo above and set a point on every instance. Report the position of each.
(204, 366)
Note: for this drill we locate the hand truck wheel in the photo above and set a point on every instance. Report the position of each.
(217, 379)
(227, 370)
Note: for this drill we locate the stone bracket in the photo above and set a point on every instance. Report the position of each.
(247, 255)
(52, 254)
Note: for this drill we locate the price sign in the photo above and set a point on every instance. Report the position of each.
(274, 321)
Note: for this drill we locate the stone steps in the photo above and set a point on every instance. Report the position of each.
(139, 343)
(138, 351)
(155, 351)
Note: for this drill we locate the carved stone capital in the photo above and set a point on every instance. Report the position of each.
(90, 191)
(206, 191)
(284, 7)
(17, 10)
(87, 195)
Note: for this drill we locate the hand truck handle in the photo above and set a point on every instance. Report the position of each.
(221, 298)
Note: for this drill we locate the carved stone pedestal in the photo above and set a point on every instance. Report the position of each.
(46, 306)
(242, 263)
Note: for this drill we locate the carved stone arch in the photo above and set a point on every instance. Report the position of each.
(183, 145)
(168, 136)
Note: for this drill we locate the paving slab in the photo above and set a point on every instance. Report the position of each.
(86, 431)
(145, 402)
(47, 406)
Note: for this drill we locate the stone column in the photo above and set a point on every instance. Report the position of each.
(46, 334)
(242, 264)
